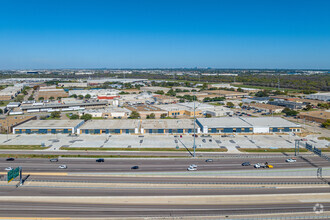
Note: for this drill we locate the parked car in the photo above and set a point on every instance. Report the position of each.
(8, 168)
(62, 167)
(209, 160)
(134, 167)
(100, 160)
(246, 164)
(291, 160)
(53, 160)
(10, 159)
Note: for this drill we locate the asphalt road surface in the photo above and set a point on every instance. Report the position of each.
(99, 210)
(164, 165)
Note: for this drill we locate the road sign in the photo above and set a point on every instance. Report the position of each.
(12, 174)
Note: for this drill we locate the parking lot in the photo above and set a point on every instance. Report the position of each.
(230, 142)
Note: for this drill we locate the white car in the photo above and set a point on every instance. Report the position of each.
(291, 160)
(191, 168)
(8, 168)
(257, 165)
(62, 167)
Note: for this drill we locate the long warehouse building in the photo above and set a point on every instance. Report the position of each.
(222, 125)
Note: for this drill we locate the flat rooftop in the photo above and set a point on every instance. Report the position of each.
(28, 107)
(168, 124)
(111, 124)
(223, 122)
(269, 122)
(144, 108)
(36, 124)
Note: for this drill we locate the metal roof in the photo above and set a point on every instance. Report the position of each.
(45, 124)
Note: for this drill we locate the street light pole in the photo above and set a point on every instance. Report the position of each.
(194, 132)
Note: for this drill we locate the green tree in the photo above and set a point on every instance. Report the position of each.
(326, 124)
(73, 96)
(51, 98)
(240, 104)
(80, 96)
(152, 116)
(41, 98)
(87, 96)
(230, 104)
(208, 116)
(1, 111)
(31, 98)
(160, 92)
(308, 107)
(289, 112)
(59, 98)
(171, 93)
(134, 115)
(74, 117)
(19, 98)
(86, 117)
(55, 115)
(240, 89)
(163, 115)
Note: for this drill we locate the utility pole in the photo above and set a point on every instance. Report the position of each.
(278, 82)
(296, 147)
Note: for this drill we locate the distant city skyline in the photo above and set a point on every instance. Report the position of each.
(236, 34)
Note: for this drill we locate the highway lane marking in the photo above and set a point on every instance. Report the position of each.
(40, 174)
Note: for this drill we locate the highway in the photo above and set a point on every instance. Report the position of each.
(106, 211)
(112, 189)
(163, 165)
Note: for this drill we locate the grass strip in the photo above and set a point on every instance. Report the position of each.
(324, 138)
(22, 147)
(143, 149)
(83, 156)
(271, 150)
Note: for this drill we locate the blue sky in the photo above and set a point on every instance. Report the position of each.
(164, 34)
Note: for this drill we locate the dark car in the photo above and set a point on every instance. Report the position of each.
(209, 160)
(53, 160)
(135, 167)
(10, 159)
(246, 164)
(100, 160)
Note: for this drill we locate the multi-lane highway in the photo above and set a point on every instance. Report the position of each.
(190, 211)
(163, 165)
(112, 189)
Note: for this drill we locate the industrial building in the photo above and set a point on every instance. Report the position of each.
(51, 91)
(271, 124)
(320, 96)
(96, 93)
(247, 125)
(224, 125)
(10, 92)
(76, 85)
(265, 107)
(146, 110)
(7, 123)
(48, 127)
(315, 116)
(169, 126)
(177, 110)
(36, 107)
(110, 127)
